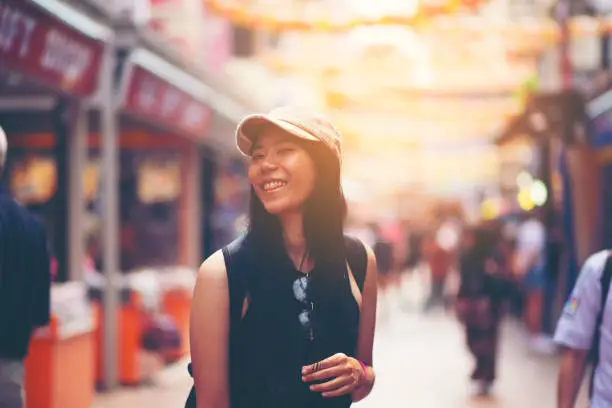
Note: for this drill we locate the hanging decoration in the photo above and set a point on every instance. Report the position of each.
(302, 15)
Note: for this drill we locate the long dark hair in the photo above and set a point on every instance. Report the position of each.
(324, 212)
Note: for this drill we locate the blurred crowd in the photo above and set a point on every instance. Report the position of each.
(480, 271)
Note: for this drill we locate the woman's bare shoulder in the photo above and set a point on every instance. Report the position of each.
(212, 271)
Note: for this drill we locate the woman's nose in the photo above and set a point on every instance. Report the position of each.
(269, 163)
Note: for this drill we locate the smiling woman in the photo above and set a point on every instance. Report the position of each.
(297, 327)
(281, 171)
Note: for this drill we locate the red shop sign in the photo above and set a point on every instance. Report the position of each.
(153, 98)
(35, 44)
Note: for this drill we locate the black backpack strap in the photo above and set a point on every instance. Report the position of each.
(605, 280)
(357, 258)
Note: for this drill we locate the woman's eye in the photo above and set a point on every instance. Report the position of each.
(287, 149)
(257, 156)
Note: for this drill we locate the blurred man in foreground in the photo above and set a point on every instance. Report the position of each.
(25, 280)
(585, 330)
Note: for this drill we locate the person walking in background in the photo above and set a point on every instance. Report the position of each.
(384, 257)
(479, 301)
(530, 264)
(25, 285)
(285, 315)
(585, 329)
(383, 252)
(440, 262)
(414, 246)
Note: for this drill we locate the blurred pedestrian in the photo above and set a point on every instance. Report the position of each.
(383, 252)
(530, 265)
(440, 262)
(478, 303)
(585, 330)
(25, 284)
(297, 327)
(414, 246)
(384, 256)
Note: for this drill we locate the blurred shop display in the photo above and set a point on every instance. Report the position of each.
(60, 365)
(150, 211)
(60, 55)
(33, 178)
(159, 180)
(153, 320)
(62, 152)
(231, 192)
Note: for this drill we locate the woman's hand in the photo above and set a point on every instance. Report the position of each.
(345, 375)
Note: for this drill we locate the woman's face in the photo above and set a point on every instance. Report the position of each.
(281, 172)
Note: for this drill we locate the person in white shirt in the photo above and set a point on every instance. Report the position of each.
(530, 266)
(586, 326)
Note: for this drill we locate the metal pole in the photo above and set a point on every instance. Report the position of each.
(62, 127)
(77, 156)
(194, 206)
(563, 15)
(110, 221)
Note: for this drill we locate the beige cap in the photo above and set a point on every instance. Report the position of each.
(297, 122)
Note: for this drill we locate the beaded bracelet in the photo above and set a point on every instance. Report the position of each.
(364, 366)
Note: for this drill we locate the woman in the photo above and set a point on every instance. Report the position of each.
(479, 303)
(304, 330)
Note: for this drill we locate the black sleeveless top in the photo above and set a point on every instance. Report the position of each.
(285, 327)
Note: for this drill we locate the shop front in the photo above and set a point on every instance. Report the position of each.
(162, 120)
(51, 62)
(599, 112)
(554, 131)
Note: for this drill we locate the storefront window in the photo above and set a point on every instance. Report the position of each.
(149, 207)
(231, 192)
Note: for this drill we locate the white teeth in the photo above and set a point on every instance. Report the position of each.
(273, 185)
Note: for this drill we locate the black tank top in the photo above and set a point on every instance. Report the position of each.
(285, 328)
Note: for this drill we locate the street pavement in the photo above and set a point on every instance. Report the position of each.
(420, 361)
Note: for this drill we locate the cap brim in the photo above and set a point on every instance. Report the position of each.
(251, 126)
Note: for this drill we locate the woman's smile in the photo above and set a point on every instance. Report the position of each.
(274, 185)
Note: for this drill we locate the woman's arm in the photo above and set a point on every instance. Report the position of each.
(367, 323)
(345, 374)
(208, 334)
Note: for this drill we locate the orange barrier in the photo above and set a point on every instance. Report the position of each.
(177, 303)
(59, 369)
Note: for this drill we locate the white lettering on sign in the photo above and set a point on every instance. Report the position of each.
(65, 56)
(170, 102)
(16, 29)
(193, 115)
(145, 97)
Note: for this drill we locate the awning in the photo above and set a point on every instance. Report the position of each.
(158, 91)
(52, 43)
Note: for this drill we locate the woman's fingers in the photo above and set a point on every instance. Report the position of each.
(339, 369)
(327, 363)
(332, 385)
(347, 389)
(324, 374)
